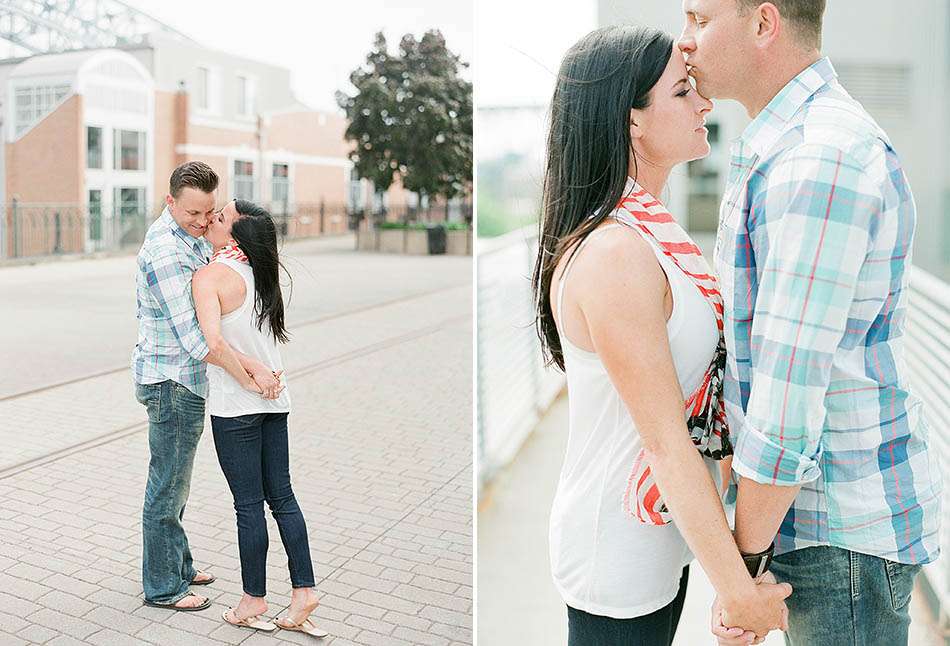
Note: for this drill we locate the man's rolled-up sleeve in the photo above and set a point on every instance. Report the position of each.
(810, 226)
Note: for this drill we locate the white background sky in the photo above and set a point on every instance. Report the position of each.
(319, 42)
(520, 44)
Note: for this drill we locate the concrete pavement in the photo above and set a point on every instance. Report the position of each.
(380, 370)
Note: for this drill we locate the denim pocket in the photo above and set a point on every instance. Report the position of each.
(900, 580)
(151, 396)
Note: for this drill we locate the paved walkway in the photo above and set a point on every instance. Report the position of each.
(380, 370)
(517, 603)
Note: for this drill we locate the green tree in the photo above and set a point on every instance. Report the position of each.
(411, 114)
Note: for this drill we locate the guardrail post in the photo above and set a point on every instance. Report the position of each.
(16, 230)
(59, 233)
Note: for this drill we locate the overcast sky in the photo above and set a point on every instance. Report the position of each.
(321, 43)
(520, 44)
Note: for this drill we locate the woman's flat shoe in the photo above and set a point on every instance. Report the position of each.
(306, 626)
(254, 622)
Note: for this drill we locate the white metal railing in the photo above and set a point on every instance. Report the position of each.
(927, 353)
(514, 388)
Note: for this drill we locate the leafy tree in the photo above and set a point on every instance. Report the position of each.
(412, 115)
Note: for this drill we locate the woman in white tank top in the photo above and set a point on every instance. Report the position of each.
(240, 307)
(628, 309)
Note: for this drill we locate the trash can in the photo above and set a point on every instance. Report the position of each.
(438, 239)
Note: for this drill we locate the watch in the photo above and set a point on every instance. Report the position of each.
(758, 564)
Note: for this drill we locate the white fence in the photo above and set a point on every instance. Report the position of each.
(927, 350)
(514, 388)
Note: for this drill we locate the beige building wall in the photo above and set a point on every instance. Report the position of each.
(314, 183)
(45, 166)
(167, 136)
(206, 136)
(308, 133)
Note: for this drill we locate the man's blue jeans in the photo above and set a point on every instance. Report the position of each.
(844, 598)
(175, 422)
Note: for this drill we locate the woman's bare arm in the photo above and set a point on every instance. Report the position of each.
(621, 288)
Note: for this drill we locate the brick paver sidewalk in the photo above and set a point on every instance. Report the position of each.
(381, 463)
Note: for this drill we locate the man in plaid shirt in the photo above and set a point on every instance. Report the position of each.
(168, 365)
(813, 252)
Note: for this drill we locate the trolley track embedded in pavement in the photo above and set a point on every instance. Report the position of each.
(309, 322)
(329, 362)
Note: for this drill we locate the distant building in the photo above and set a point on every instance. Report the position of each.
(98, 131)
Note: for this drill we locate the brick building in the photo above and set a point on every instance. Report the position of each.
(91, 136)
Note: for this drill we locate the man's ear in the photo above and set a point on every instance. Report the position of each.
(768, 23)
(636, 118)
(169, 200)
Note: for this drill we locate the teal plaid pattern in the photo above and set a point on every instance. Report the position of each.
(170, 344)
(813, 248)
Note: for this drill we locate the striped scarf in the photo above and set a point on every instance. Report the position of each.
(231, 251)
(705, 412)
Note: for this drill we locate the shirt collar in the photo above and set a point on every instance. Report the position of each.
(763, 131)
(200, 246)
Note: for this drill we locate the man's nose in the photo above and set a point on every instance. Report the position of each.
(686, 43)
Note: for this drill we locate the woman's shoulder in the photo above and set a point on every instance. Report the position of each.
(616, 262)
(616, 247)
(211, 272)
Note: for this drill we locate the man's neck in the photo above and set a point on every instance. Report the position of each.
(777, 77)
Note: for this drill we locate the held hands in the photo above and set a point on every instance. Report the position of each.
(752, 618)
(265, 382)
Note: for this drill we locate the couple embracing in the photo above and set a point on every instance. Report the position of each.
(211, 316)
(770, 386)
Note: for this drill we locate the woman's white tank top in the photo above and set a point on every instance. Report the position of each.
(603, 561)
(226, 397)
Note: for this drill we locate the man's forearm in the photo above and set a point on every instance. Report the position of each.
(760, 509)
(250, 364)
(223, 355)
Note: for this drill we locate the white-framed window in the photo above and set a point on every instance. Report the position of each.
(245, 96)
(380, 200)
(280, 183)
(129, 201)
(128, 150)
(95, 215)
(243, 180)
(205, 96)
(356, 195)
(33, 103)
(203, 89)
(93, 147)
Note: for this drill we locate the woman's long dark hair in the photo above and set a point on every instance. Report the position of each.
(605, 75)
(256, 235)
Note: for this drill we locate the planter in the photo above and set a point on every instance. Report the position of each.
(459, 242)
(415, 241)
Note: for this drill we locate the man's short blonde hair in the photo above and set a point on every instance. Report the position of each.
(803, 16)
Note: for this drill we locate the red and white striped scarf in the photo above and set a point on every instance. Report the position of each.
(231, 251)
(705, 412)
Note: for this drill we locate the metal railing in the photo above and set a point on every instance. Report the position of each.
(927, 353)
(34, 230)
(514, 388)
